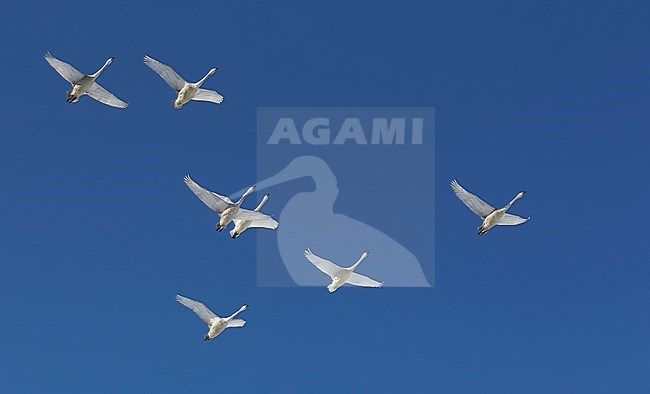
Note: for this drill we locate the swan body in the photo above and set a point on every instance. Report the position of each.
(186, 91)
(215, 323)
(228, 210)
(242, 225)
(491, 216)
(341, 275)
(84, 84)
(310, 218)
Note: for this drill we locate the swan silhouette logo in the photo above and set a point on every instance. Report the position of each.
(343, 181)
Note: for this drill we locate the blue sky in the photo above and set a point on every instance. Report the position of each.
(98, 232)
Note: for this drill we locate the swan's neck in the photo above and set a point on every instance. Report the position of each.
(517, 197)
(95, 75)
(198, 84)
(266, 197)
(243, 308)
(363, 256)
(249, 191)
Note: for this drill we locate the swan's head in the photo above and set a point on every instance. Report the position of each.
(213, 70)
(248, 191)
(110, 60)
(521, 194)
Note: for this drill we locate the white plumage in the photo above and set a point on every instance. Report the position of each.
(186, 91)
(84, 84)
(215, 323)
(340, 275)
(228, 210)
(490, 215)
(242, 225)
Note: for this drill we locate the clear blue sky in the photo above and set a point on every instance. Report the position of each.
(98, 232)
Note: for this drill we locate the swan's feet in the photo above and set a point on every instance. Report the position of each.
(234, 235)
(70, 98)
(206, 337)
(218, 227)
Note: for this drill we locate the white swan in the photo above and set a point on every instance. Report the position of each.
(242, 225)
(337, 233)
(84, 84)
(217, 324)
(228, 210)
(490, 215)
(340, 275)
(186, 90)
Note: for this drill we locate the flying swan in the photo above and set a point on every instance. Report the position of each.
(186, 90)
(228, 210)
(491, 216)
(217, 324)
(242, 225)
(84, 84)
(340, 275)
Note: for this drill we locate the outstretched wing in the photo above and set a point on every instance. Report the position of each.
(167, 73)
(511, 220)
(102, 95)
(65, 70)
(208, 95)
(197, 307)
(326, 266)
(360, 280)
(214, 201)
(236, 323)
(478, 206)
(257, 219)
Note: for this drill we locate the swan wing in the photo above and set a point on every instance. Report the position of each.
(236, 323)
(475, 204)
(360, 280)
(264, 223)
(65, 70)
(511, 220)
(197, 307)
(102, 95)
(167, 73)
(224, 198)
(257, 219)
(208, 95)
(213, 200)
(326, 266)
